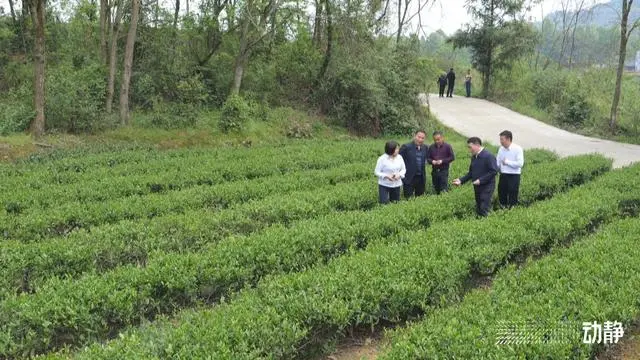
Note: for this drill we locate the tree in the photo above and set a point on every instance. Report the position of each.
(37, 126)
(328, 52)
(114, 34)
(205, 36)
(128, 63)
(254, 17)
(13, 12)
(625, 33)
(494, 40)
(104, 26)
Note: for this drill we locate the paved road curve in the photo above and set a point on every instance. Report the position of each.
(475, 117)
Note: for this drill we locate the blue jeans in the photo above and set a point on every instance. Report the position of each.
(467, 86)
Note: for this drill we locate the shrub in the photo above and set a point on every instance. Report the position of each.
(173, 115)
(15, 116)
(75, 99)
(299, 129)
(235, 114)
(548, 87)
(574, 109)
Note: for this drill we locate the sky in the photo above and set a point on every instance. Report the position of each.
(448, 15)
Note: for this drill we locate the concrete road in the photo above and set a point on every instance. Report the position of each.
(484, 119)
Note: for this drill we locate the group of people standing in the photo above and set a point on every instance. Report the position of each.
(448, 80)
(405, 166)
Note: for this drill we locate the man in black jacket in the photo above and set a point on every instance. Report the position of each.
(442, 83)
(451, 79)
(482, 171)
(414, 155)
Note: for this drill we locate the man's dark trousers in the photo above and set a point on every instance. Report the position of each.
(440, 180)
(508, 189)
(415, 187)
(450, 89)
(484, 193)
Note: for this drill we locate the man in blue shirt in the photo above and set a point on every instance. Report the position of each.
(482, 171)
(414, 155)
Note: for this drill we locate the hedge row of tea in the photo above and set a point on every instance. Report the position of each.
(131, 242)
(287, 316)
(45, 188)
(546, 320)
(77, 312)
(308, 194)
(100, 248)
(43, 223)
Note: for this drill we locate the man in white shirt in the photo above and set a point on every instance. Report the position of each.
(510, 162)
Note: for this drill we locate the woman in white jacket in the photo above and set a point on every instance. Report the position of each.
(390, 171)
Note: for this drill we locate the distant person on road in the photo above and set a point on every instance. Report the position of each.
(451, 79)
(442, 82)
(467, 82)
(482, 172)
(415, 158)
(390, 171)
(439, 156)
(510, 160)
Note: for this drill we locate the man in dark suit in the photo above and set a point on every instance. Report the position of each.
(442, 83)
(482, 172)
(451, 79)
(414, 155)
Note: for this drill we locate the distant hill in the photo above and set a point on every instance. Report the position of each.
(603, 15)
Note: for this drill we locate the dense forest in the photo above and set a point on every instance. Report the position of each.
(89, 65)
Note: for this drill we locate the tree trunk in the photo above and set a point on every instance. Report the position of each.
(327, 54)
(13, 12)
(243, 55)
(565, 31)
(104, 15)
(486, 81)
(128, 63)
(114, 33)
(624, 37)
(38, 123)
(176, 14)
(399, 33)
(23, 25)
(573, 33)
(157, 13)
(317, 24)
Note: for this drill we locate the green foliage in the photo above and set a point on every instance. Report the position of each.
(227, 266)
(578, 99)
(377, 92)
(299, 130)
(296, 67)
(400, 273)
(548, 87)
(537, 294)
(87, 207)
(236, 112)
(495, 42)
(166, 115)
(574, 109)
(75, 99)
(15, 115)
(358, 100)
